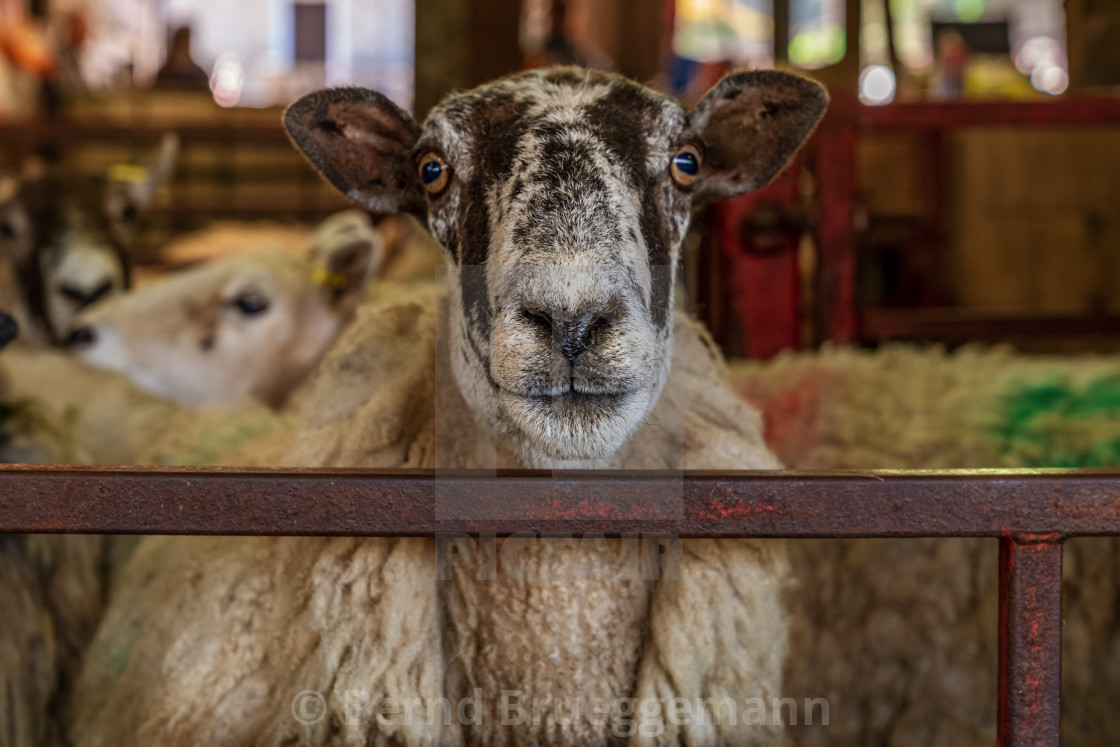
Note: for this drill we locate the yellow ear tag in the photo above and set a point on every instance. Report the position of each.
(127, 172)
(324, 277)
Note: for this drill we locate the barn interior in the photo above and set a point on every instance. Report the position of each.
(932, 283)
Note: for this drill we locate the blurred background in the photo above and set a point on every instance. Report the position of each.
(963, 187)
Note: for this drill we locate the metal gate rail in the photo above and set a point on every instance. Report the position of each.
(1031, 512)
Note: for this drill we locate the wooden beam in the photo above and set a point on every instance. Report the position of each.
(463, 43)
(442, 51)
(494, 43)
(781, 32)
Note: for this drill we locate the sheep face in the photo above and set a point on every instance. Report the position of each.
(68, 237)
(249, 326)
(561, 198)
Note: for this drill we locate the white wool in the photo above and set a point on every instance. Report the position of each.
(900, 635)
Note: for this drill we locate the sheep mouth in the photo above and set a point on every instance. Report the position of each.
(575, 396)
(571, 406)
(573, 424)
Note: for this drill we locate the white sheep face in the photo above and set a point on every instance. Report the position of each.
(561, 198)
(249, 326)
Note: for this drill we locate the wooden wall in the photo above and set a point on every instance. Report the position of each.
(1032, 215)
(1037, 219)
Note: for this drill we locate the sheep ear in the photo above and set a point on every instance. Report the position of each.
(160, 168)
(346, 255)
(361, 142)
(9, 329)
(14, 221)
(751, 124)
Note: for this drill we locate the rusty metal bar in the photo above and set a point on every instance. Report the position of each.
(1030, 643)
(1030, 511)
(987, 503)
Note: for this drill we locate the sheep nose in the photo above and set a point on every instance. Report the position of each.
(84, 297)
(571, 334)
(81, 337)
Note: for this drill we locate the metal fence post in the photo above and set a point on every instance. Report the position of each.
(1030, 640)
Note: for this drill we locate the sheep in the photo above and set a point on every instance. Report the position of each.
(248, 326)
(179, 419)
(50, 592)
(908, 655)
(65, 240)
(531, 360)
(79, 415)
(238, 398)
(83, 415)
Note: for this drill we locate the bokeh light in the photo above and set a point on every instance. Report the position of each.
(1044, 60)
(876, 85)
(813, 48)
(227, 79)
(1050, 79)
(969, 11)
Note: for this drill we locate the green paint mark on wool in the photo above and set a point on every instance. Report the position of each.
(1055, 424)
(122, 655)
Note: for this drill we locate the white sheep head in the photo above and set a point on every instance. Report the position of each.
(249, 326)
(561, 198)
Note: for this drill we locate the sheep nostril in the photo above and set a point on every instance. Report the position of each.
(572, 335)
(81, 337)
(578, 334)
(538, 318)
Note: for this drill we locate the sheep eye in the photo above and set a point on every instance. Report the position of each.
(7, 230)
(685, 166)
(434, 173)
(251, 304)
(128, 213)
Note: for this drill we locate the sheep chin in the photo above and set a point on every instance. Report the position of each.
(576, 427)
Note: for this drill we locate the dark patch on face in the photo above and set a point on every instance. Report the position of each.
(569, 164)
(655, 230)
(566, 169)
(516, 188)
(494, 126)
(628, 109)
(618, 118)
